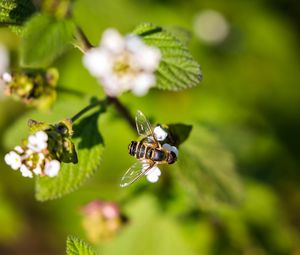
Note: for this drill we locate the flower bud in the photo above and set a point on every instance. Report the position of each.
(32, 87)
(101, 220)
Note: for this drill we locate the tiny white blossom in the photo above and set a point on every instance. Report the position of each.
(19, 149)
(38, 141)
(123, 63)
(13, 159)
(6, 77)
(52, 168)
(160, 133)
(171, 148)
(153, 174)
(37, 170)
(25, 171)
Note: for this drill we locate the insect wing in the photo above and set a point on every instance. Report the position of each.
(142, 124)
(136, 171)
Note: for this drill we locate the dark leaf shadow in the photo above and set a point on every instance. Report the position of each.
(87, 131)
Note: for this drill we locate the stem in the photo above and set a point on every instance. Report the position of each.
(123, 110)
(87, 108)
(9, 23)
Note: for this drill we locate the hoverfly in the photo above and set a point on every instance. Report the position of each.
(148, 151)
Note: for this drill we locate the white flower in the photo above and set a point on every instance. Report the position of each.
(159, 133)
(13, 159)
(153, 174)
(52, 168)
(123, 63)
(38, 141)
(171, 148)
(25, 171)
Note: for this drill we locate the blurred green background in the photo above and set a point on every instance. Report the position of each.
(247, 108)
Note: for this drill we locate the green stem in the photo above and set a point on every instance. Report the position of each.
(87, 108)
(123, 110)
(9, 23)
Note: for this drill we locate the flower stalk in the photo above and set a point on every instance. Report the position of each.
(87, 108)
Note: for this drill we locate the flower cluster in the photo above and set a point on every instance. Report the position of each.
(101, 220)
(32, 87)
(154, 173)
(122, 64)
(33, 157)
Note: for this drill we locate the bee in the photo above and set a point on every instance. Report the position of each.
(148, 151)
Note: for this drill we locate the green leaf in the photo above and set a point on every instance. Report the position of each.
(45, 38)
(75, 246)
(206, 170)
(177, 69)
(15, 12)
(178, 133)
(89, 144)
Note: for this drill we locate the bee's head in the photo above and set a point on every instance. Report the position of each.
(172, 157)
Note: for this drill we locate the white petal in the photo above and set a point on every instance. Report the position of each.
(147, 58)
(143, 83)
(171, 148)
(6, 77)
(111, 85)
(13, 160)
(19, 149)
(25, 171)
(160, 134)
(41, 157)
(32, 139)
(153, 175)
(52, 168)
(99, 62)
(37, 170)
(113, 41)
(41, 136)
(134, 43)
(28, 152)
(37, 142)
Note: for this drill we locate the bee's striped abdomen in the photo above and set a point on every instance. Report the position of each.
(148, 154)
(132, 148)
(141, 151)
